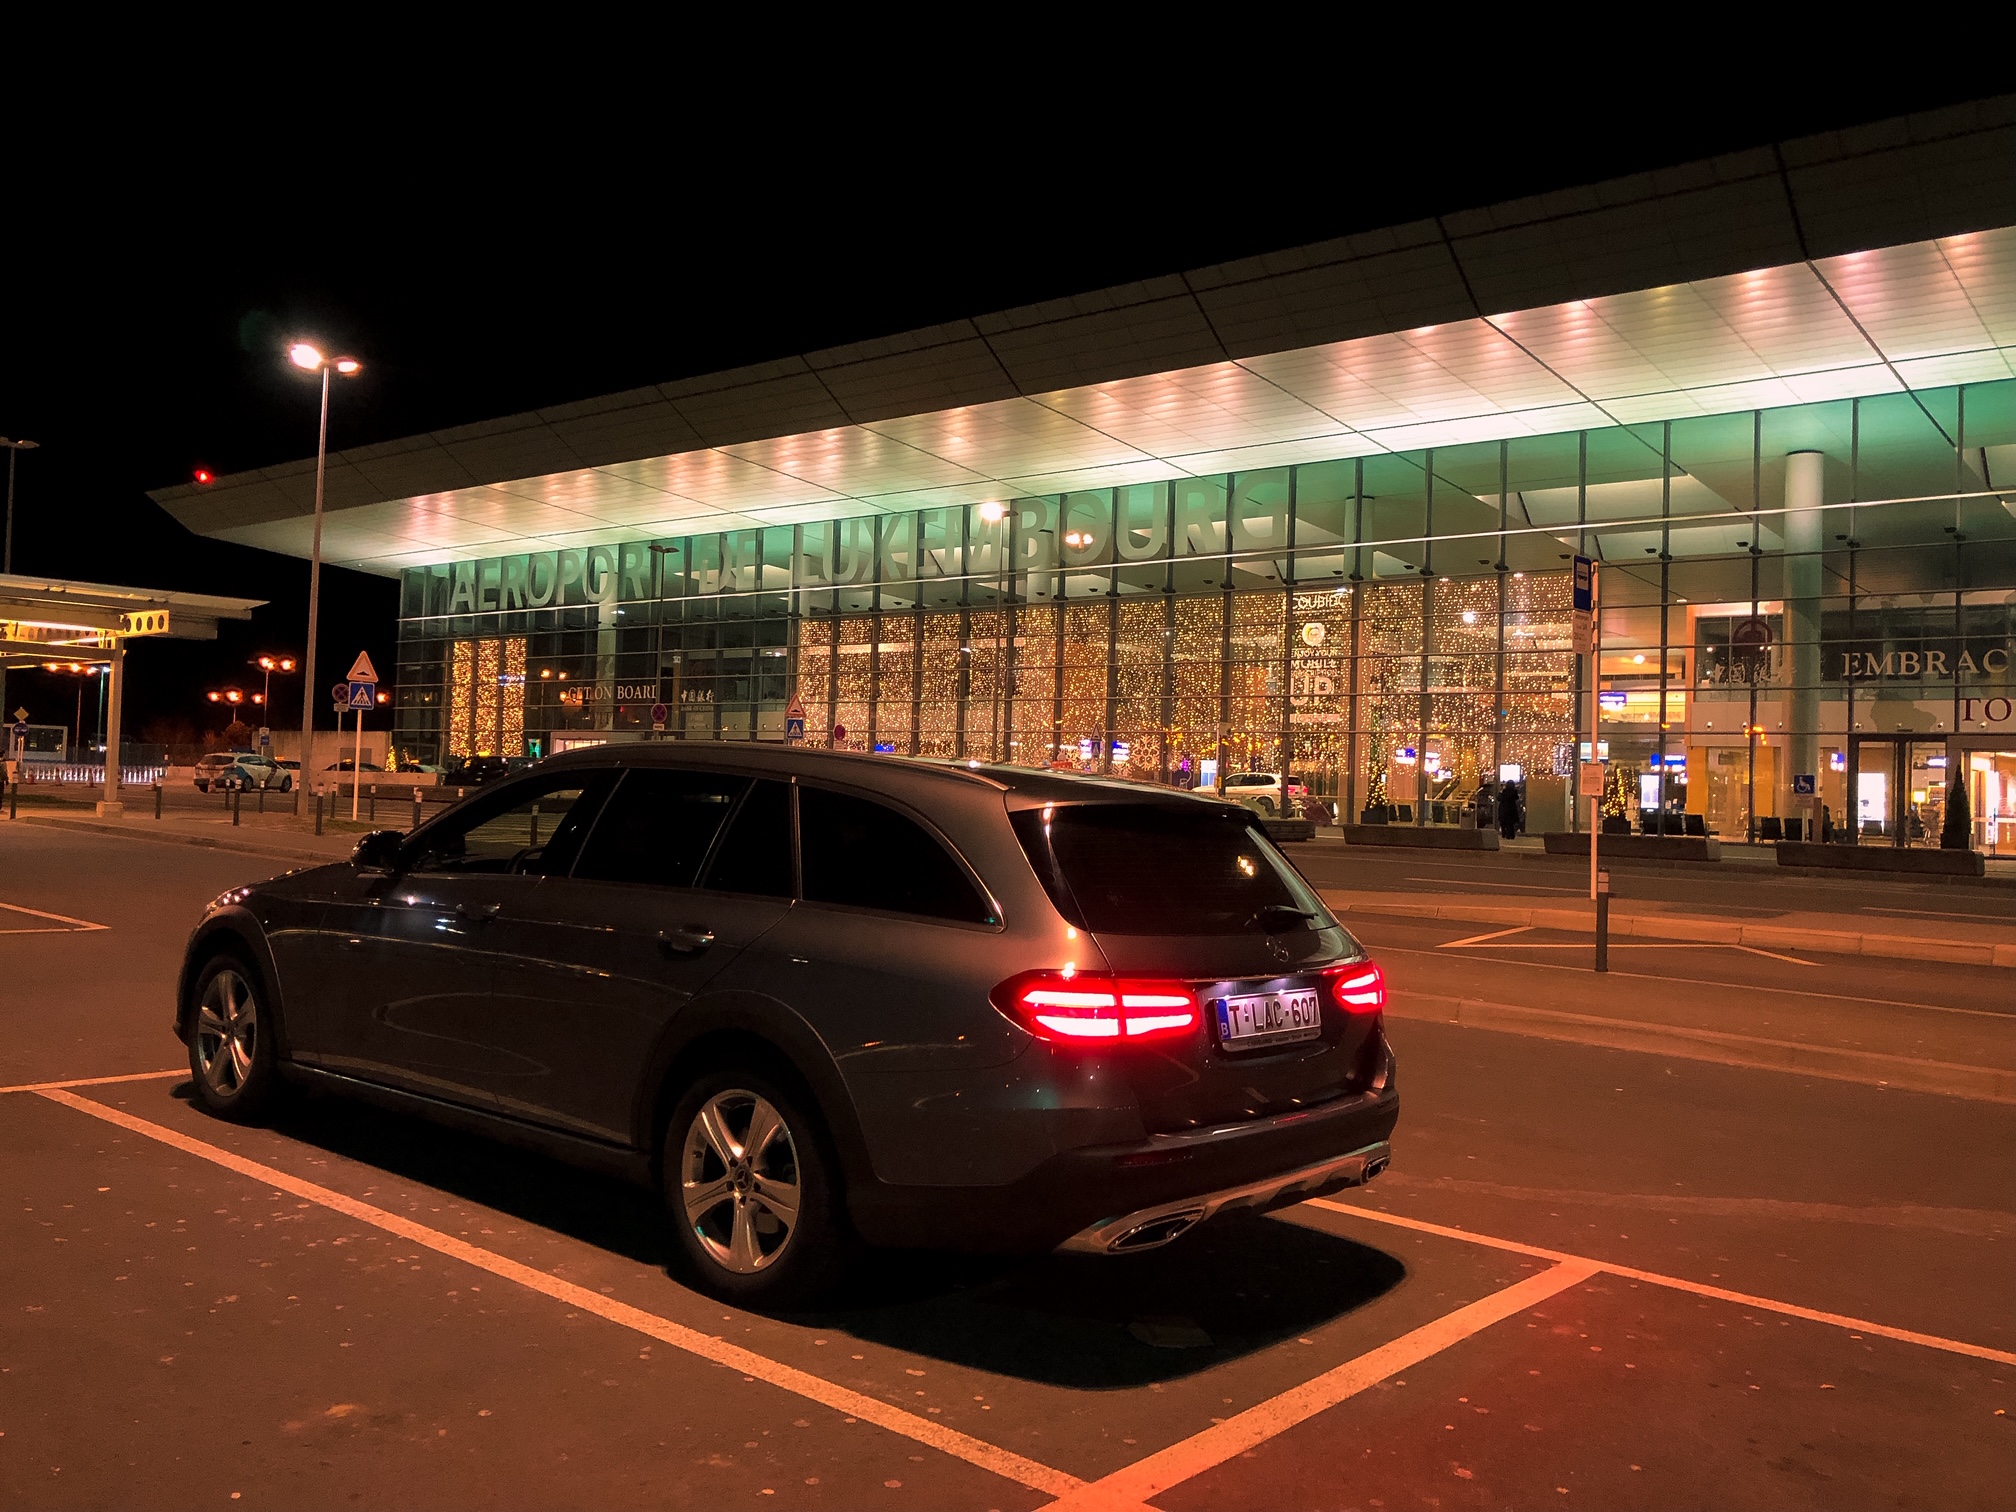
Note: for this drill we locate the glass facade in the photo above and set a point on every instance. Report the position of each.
(1823, 591)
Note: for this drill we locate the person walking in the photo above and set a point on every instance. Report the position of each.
(1508, 811)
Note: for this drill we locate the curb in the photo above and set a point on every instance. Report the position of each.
(205, 842)
(1702, 931)
(1868, 1067)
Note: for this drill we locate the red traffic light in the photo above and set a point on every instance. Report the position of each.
(204, 475)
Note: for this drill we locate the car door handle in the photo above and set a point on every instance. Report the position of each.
(685, 941)
(477, 913)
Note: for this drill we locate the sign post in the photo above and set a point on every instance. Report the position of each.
(363, 691)
(1590, 774)
(794, 722)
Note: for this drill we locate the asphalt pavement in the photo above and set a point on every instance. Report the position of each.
(1599, 1276)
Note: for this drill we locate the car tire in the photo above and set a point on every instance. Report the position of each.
(1267, 807)
(232, 1031)
(738, 1239)
(286, 784)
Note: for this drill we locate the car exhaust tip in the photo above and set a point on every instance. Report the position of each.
(1373, 1167)
(1156, 1233)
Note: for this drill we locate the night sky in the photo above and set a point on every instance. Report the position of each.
(479, 271)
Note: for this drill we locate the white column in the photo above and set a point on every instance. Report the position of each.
(115, 697)
(1805, 473)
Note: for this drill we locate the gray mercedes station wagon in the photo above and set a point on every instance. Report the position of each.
(825, 1000)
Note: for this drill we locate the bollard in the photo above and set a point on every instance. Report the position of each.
(416, 806)
(157, 800)
(318, 812)
(373, 807)
(14, 799)
(262, 797)
(1602, 921)
(236, 794)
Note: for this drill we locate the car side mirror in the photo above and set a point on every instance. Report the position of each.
(378, 851)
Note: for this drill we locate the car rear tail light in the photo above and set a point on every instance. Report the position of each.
(1094, 1007)
(1357, 987)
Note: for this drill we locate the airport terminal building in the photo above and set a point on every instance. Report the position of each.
(1312, 513)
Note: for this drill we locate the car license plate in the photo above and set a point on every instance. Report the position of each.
(1269, 1018)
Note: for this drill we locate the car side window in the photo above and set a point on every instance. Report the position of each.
(866, 855)
(533, 828)
(657, 826)
(754, 856)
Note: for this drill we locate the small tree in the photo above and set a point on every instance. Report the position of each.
(1958, 831)
(237, 733)
(1619, 784)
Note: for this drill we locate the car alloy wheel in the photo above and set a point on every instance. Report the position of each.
(225, 1037)
(738, 1181)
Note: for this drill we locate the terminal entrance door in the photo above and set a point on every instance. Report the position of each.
(1899, 783)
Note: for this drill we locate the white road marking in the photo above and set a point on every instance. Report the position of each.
(1832, 997)
(1506, 886)
(1676, 1283)
(1590, 944)
(95, 1081)
(1002, 1462)
(1479, 939)
(1759, 950)
(77, 926)
(1129, 1488)
(1934, 913)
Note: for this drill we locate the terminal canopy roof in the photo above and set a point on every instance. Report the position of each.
(1876, 261)
(50, 618)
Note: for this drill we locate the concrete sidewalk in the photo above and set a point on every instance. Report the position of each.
(274, 837)
(1958, 942)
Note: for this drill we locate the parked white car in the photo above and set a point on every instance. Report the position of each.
(1264, 791)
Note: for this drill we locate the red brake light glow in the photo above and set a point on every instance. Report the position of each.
(1357, 986)
(1083, 1006)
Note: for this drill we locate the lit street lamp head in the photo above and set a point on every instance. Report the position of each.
(308, 357)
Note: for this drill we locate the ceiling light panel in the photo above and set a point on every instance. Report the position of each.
(1164, 414)
(852, 460)
(1932, 297)
(1007, 437)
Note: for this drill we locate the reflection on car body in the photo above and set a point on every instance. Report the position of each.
(825, 1000)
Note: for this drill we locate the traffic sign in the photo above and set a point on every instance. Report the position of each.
(20, 729)
(795, 709)
(794, 727)
(839, 733)
(363, 695)
(361, 669)
(659, 714)
(1584, 617)
(340, 695)
(1803, 784)
(21, 714)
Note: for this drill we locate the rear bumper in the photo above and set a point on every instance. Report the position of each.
(1150, 1228)
(1088, 1199)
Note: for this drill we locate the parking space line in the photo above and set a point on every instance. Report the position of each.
(1678, 1283)
(77, 926)
(94, 1081)
(990, 1457)
(1131, 1487)
(1758, 950)
(1479, 939)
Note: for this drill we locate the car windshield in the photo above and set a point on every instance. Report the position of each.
(1157, 869)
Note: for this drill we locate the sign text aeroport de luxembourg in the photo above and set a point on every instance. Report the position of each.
(853, 551)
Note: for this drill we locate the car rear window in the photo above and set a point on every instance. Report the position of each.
(1157, 869)
(866, 855)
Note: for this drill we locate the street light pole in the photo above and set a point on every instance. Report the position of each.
(314, 591)
(14, 450)
(310, 359)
